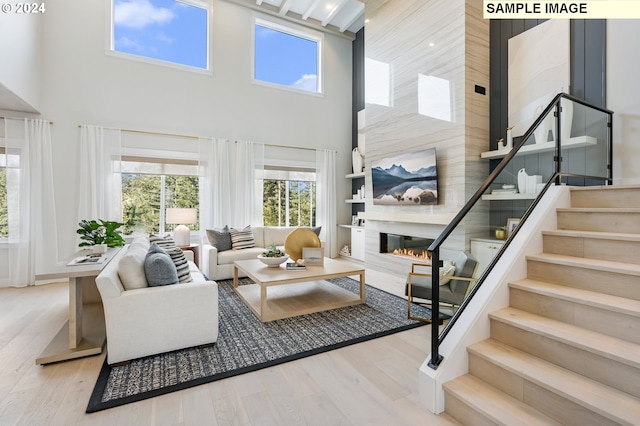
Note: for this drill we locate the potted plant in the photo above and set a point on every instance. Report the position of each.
(273, 257)
(100, 234)
(501, 233)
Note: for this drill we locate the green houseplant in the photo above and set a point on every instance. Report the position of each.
(95, 232)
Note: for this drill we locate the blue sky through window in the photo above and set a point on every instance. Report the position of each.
(161, 29)
(286, 59)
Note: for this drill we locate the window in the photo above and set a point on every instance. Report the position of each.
(151, 186)
(287, 57)
(289, 198)
(166, 30)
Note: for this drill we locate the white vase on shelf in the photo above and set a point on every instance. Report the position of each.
(358, 161)
(522, 180)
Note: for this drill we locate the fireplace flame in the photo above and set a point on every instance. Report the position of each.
(417, 254)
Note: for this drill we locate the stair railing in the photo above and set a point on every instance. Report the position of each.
(584, 160)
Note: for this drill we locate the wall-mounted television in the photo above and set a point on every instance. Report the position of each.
(406, 179)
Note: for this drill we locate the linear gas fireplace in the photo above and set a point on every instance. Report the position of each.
(405, 246)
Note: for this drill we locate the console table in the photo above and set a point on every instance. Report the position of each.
(84, 334)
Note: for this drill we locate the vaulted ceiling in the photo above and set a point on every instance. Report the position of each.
(338, 16)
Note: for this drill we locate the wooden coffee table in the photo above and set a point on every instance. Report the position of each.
(308, 292)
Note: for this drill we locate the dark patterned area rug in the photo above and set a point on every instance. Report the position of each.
(245, 344)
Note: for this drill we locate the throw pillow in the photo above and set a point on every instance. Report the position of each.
(446, 272)
(242, 238)
(131, 268)
(159, 269)
(163, 242)
(182, 265)
(220, 238)
(316, 229)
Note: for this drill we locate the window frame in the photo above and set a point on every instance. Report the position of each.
(163, 161)
(110, 42)
(291, 169)
(295, 31)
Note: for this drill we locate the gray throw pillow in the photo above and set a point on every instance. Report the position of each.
(220, 238)
(159, 269)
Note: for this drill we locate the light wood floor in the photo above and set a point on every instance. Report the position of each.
(371, 383)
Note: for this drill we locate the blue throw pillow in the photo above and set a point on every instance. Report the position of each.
(220, 238)
(159, 269)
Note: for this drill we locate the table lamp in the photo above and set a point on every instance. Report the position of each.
(182, 217)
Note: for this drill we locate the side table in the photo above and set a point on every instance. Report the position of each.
(195, 248)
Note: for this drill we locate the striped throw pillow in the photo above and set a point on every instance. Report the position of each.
(242, 238)
(165, 242)
(182, 265)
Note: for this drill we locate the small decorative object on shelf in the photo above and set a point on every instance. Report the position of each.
(358, 161)
(501, 233)
(345, 251)
(100, 233)
(509, 143)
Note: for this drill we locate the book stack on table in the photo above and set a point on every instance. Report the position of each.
(293, 266)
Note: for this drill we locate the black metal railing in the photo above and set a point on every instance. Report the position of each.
(580, 160)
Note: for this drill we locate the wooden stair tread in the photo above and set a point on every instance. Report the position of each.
(586, 263)
(601, 187)
(608, 302)
(593, 234)
(494, 404)
(595, 396)
(609, 347)
(633, 210)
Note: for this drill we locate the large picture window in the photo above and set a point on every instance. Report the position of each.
(286, 57)
(171, 31)
(289, 198)
(150, 187)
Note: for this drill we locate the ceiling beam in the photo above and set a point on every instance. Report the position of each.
(293, 17)
(334, 12)
(310, 9)
(284, 7)
(354, 17)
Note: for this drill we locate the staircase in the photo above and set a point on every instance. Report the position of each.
(567, 349)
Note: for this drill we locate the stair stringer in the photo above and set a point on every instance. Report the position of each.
(474, 325)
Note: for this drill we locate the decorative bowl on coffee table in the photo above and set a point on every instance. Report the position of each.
(273, 262)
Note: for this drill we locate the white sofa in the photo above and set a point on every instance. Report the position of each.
(153, 320)
(219, 265)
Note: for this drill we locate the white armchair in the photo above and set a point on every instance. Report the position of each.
(152, 320)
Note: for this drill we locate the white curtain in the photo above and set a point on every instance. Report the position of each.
(247, 195)
(326, 199)
(215, 183)
(99, 180)
(32, 240)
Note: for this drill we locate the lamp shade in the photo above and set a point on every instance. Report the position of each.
(179, 216)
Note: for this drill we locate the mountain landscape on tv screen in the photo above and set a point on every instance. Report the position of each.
(400, 184)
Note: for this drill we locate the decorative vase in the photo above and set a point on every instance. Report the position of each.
(509, 143)
(99, 248)
(522, 180)
(357, 160)
(501, 234)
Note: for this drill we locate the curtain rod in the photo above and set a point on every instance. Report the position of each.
(144, 132)
(16, 118)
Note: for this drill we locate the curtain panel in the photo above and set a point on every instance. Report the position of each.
(32, 243)
(99, 175)
(326, 199)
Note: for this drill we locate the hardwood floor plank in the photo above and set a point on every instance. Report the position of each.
(342, 387)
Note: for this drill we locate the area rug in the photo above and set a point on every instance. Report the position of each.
(245, 344)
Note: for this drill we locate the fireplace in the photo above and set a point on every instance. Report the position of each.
(405, 246)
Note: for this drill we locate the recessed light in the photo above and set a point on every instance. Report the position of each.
(366, 21)
(432, 44)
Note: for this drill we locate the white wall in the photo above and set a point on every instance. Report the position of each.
(623, 69)
(83, 85)
(20, 50)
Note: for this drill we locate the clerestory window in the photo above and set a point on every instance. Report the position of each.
(287, 57)
(162, 31)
